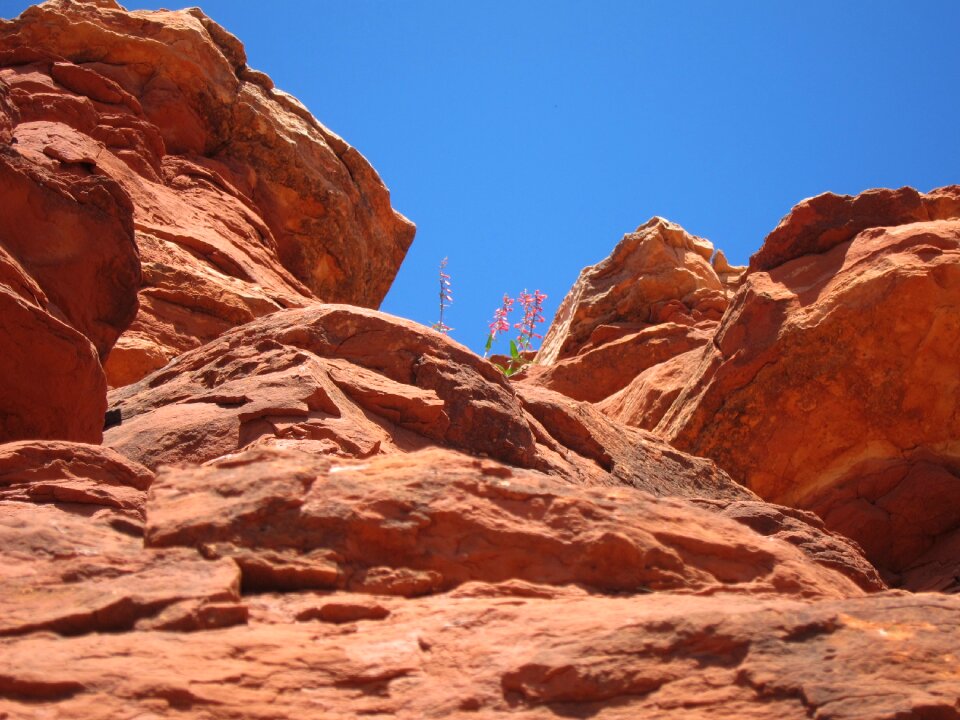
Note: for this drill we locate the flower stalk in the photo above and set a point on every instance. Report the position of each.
(446, 298)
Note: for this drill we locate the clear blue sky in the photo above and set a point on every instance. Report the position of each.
(524, 138)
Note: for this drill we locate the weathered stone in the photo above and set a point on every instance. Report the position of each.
(356, 383)
(427, 522)
(831, 384)
(242, 202)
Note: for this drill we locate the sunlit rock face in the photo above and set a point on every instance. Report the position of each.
(832, 381)
(658, 296)
(241, 203)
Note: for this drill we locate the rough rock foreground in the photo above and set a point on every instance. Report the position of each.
(315, 510)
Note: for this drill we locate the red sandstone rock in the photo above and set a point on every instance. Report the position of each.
(71, 525)
(430, 521)
(69, 273)
(52, 383)
(356, 383)
(820, 223)
(314, 553)
(655, 274)
(806, 531)
(656, 297)
(645, 400)
(236, 189)
(502, 649)
(73, 230)
(831, 384)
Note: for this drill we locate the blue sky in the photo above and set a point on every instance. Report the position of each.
(524, 138)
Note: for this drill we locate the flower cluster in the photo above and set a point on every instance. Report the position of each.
(521, 348)
(532, 315)
(499, 324)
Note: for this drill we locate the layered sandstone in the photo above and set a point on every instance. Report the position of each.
(69, 274)
(279, 581)
(346, 382)
(241, 202)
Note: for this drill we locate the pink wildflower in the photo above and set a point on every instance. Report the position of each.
(499, 323)
(532, 315)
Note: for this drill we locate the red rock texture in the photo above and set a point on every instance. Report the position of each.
(69, 273)
(831, 384)
(431, 583)
(619, 332)
(457, 599)
(429, 521)
(651, 656)
(820, 223)
(73, 560)
(659, 273)
(646, 398)
(349, 382)
(242, 203)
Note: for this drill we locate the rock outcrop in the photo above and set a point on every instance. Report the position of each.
(831, 384)
(658, 296)
(436, 584)
(242, 203)
(69, 274)
(383, 579)
(347, 382)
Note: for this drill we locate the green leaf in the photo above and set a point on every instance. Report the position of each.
(514, 353)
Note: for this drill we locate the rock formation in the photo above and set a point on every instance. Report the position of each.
(636, 317)
(303, 507)
(831, 384)
(241, 202)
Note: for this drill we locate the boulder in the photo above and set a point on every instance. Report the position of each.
(657, 296)
(831, 383)
(73, 561)
(69, 274)
(435, 584)
(432, 520)
(820, 223)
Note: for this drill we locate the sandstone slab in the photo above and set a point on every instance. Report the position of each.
(426, 522)
(653, 656)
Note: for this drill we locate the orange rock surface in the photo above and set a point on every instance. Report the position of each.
(69, 273)
(831, 384)
(618, 332)
(348, 382)
(242, 202)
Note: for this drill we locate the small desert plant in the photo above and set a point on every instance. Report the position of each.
(532, 315)
(499, 324)
(446, 298)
